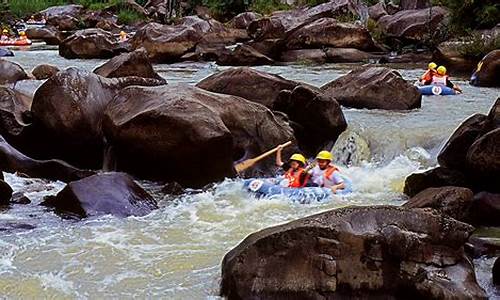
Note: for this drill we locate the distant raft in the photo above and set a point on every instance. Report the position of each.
(436, 90)
(17, 42)
(268, 188)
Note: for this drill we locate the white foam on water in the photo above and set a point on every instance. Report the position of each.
(56, 281)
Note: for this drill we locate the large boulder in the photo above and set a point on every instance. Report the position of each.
(450, 54)
(11, 160)
(449, 200)
(91, 43)
(165, 43)
(67, 10)
(437, 177)
(50, 35)
(483, 159)
(135, 63)
(355, 252)
(193, 130)
(67, 112)
(485, 209)
(5, 193)
(11, 72)
(251, 84)
(242, 20)
(413, 25)
(44, 71)
(374, 87)
(377, 11)
(243, 55)
(488, 70)
(12, 110)
(328, 32)
(109, 193)
(316, 118)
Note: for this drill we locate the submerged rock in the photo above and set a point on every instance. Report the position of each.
(449, 200)
(360, 252)
(135, 63)
(488, 71)
(19, 198)
(91, 43)
(108, 193)
(5, 193)
(374, 87)
(11, 72)
(6, 52)
(167, 132)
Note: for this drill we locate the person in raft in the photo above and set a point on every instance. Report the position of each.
(295, 174)
(123, 36)
(426, 79)
(325, 174)
(5, 35)
(440, 78)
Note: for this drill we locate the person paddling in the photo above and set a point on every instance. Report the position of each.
(426, 79)
(325, 174)
(441, 78)
(295, 174)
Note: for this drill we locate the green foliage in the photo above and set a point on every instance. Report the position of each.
(22, 8)
(127, 16)
(476, 46)
(472, 14)
(266, 7)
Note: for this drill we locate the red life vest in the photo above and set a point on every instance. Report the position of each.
(293, 178)
(427, 77)
(439, 79)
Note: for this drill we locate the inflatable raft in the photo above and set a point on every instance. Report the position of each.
(15, 43)
(270, 188)
(436, 90)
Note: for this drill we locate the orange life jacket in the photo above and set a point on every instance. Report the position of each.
(427, 77)
(294, 177)
(439, 79)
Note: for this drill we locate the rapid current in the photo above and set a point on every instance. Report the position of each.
(176, 251)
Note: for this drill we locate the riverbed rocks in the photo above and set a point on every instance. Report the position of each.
(328, 32)
(166, 43)
(357, 252)
(374, 88)
(135, 63)
(496, 272)
(377, 11)
(449, 200)
(450, 55)
(11, 160)
(67, 112)
(243, 55)
(485, 209)
(11, 72)
(165, 133)
(5, 193)
(241, 21)
(49, 34)
(91, 43)
(44, 71)
(108, 193)
(488, 71)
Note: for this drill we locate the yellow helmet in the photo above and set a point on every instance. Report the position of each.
(123, 33)
(298, 157)
(432, 66)
(441, 70)
(5, 31)
(22, 33)
(326, 155)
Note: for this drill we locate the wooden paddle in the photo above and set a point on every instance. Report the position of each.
(242, 166)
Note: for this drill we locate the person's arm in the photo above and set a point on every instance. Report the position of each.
(279, 161)
(453, 86)
(339, 182)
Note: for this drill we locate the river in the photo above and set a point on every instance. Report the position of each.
(176, 251)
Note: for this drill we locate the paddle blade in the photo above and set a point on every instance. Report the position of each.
(242, 166)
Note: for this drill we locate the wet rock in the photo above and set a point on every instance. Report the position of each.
(271, 48)
(485, 209)
(494, 115)
(360, 252)
(5, 193)
(266, 28)
(328, 32)
(11, 72)
(19, 198)
(488, 71)
(437, 177)
(42, 72)
(304, 55)
(67, 112)
(11, 227)
(478, 246)
(63, 22)
(194, 130)
(235, 81)
(496, 272)
(49, 34)
(449, 54)
(483, 159)
(413, 4)
(413, 25)
(316, 118)
(11, 160)
(166, 43)
(453, 153)
(66, 10)
(374, 88)
(109, 193)
(12, 108)
(377, 11)
(243, 55)
(347, 55)
(242, 20)
(6, 52)
(449, 200)
(91, 43)
(135, 63)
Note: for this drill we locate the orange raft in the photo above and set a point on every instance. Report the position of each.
(18, 42)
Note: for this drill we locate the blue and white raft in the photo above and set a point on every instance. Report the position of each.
(436, 90)
(270, 188)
